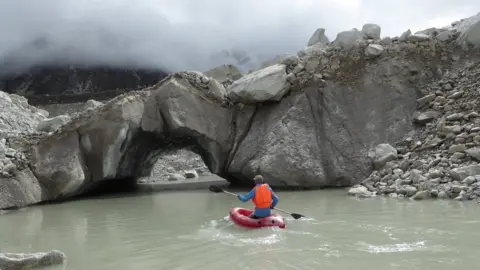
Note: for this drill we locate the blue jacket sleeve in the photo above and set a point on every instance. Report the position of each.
(248, 196)
(274, 198)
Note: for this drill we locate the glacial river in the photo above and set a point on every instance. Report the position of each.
(190, 230)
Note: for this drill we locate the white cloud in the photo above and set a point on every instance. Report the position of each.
(183, 34)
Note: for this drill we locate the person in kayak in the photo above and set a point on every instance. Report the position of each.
(262, 197)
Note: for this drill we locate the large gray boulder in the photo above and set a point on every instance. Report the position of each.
(469, 29)
(224, 73)
(52, 124)
(348, 39)
(318, 37)
(321, 138)
(371, 31)
(269, 83)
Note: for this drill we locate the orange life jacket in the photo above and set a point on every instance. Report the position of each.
(263, 196)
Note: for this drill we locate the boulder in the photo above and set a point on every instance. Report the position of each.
(360, 191)
(425, 117)
(348, 39)
(322, 134)
(176, 177)
(446, 35)
(371, 31)
(191, 174)
(52, 124)
(31, 260)
(224, 73)
(469, 29)
(474, 152)
(405, 35)
(318, 37)
(269, 83)
(418, 37)
(92, 104)
(373, 50)
(382, 154)
(461, 173)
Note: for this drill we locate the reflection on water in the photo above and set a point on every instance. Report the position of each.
(191, 230)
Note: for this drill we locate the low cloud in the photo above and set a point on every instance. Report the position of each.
(185, 34)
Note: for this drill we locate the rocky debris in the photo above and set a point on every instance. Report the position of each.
(318, 37)
(20, 261)
(266, 84)
(175, 163)
(225, 74)
(371, 31)
(440, 159)
(17, 116)
(54, 123)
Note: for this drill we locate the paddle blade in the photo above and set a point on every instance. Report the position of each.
(296, 216)
(215, 189)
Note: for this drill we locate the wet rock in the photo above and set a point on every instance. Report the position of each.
(421, 195)
(360, 191)
(31, 260)
(410, 191)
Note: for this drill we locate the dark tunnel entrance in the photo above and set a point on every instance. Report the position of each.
(150, 157)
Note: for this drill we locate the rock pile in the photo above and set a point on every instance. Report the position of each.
(440, 159)
(17, 119)
(182, 164)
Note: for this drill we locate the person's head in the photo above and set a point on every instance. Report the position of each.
(258, 179)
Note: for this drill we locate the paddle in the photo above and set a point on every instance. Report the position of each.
(217, 189)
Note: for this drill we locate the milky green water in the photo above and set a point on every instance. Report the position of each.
(189, 230)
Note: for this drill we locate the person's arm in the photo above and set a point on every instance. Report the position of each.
(248, 196)
(274, 198)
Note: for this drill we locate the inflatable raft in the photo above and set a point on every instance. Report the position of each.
(240, 216)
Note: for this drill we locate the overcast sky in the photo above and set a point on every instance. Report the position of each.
(183, 34)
